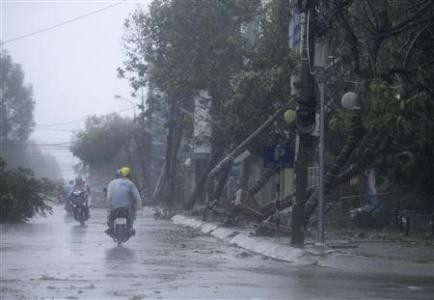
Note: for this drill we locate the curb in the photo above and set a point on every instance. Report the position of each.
(255, 244)
(303, 257)
(355, 263)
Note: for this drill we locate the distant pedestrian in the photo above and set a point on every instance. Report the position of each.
(67, 189)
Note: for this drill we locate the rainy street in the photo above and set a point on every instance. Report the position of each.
(301, 131)
(56, 258)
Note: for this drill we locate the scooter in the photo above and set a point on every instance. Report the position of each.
(120, 225)
(79, 205)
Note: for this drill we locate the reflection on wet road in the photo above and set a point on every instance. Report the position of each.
(57, 258)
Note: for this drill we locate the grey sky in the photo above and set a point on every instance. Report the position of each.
(72, 68)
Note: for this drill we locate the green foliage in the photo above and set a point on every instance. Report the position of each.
(17, 101)
(385, 51)
(264, 80)
(237, 50)
(222, 47)
(43, 164)
(102, 139)
(21, 195)
(407, 128)
(17, 122)
(186, 46)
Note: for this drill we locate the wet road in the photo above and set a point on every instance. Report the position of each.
(56, 258)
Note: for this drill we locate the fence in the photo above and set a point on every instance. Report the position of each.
(355, 210)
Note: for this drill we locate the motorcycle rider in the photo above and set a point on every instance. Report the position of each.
(117, 175)
(122, 193)
(81, 186)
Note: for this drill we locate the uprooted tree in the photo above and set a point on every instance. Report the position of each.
(22, 195)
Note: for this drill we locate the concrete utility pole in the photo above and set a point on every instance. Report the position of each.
(305, 121)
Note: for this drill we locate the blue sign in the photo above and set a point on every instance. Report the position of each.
(278, 157)
(295, 29)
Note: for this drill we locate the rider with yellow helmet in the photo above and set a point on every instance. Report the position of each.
(123, 193)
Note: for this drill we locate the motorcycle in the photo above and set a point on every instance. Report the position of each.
(120, 225)
(68, 207)
(79, 206)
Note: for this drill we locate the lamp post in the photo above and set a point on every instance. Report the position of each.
(145, 147)
(321, 238)
(129, 101)
(323, 69)
(321, 74)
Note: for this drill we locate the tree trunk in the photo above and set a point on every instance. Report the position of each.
(261, 182)
(223, 177)
(179, 128)
(140, 154)
(200, 186)
(169, 179)
(355, 136)
(245, 173)
(173, 143)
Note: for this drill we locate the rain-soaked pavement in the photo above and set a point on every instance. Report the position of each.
(56, 258)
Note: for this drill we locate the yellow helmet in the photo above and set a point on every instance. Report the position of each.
(124, 172)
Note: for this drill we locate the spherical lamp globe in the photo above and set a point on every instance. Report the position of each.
(289, 116)
(350, 100)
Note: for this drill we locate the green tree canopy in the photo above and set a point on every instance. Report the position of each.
(102, 139)
(385, 52)
(186, 46)
(263, 82)
(236, 50)
(17, 101)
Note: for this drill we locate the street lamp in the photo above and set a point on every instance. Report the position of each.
(129, 101)
(350, 100)
(126, 99)
(146, 136)
(290, 116)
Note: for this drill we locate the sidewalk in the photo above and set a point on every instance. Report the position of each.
(401, 257)
(405, 258)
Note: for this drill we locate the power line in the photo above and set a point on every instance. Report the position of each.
(58, 146)
(81, 120)
(61, 23)
(62, 123)
(55, 129)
